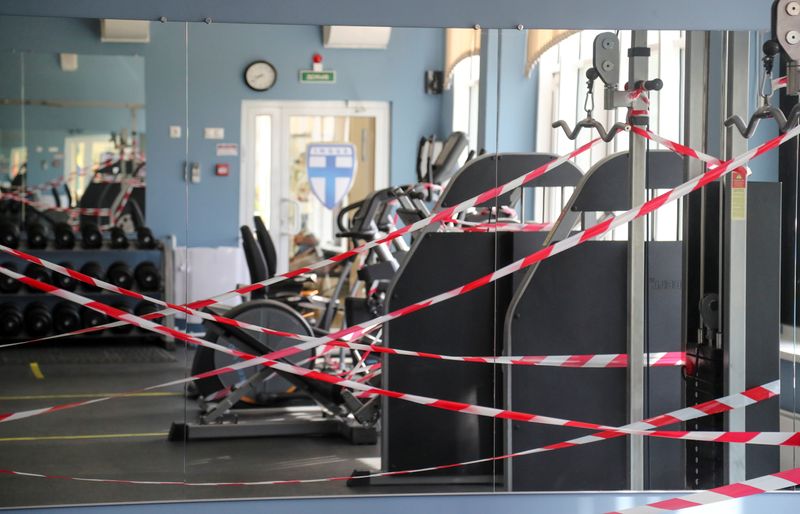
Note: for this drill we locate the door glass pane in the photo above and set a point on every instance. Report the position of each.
(263, 168)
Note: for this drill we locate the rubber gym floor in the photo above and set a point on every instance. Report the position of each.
(126, 438)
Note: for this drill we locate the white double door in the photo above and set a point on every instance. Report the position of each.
(274, 182)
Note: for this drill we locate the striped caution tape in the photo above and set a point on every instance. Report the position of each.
(768, 390)
(87, 211)
(357, 331)
(772, 482)
(724, 404)
(438, 217)
(658, 359)
(676, 147)
(500, 227)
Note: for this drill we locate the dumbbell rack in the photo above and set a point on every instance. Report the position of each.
(162, 256)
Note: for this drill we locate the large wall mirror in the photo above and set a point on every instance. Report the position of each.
(185, 162)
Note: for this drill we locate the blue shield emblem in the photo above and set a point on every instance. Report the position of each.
(331, 169)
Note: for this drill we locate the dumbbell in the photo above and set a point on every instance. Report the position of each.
(64, 281)
(145, 239)
(63, 236)
(143, 309)
(66, 317)
(9, 234)
(9, 285)
(91, 237)
(120, 275)
(119, 241)
(90, 318)
(38, 320)
(36, 272)
(127, 327)
(11, 320)
(93, 270)
(147, 276)
(36, 234)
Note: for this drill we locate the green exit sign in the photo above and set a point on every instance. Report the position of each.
(317, 77)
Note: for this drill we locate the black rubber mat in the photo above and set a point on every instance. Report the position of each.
(127, 353)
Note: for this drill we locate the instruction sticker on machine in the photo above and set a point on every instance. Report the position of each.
(739, 194)
(331, 169)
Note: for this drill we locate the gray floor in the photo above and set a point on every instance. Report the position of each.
(140, 450)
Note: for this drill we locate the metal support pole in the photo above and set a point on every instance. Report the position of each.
(734, 255)
(637, 71)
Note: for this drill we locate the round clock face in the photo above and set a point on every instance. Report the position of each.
(260, 76)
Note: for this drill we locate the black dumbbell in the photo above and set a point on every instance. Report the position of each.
(143, 309)
(9, 234)
(147, 276)
(36, 272)
(9, 285)
(91, 237)
(36, 234)
(90, 318)
(127, 327)
(11, 320)
(93, 270)
(66, 317)
(38, 320)
(145, 239)
(119, 241)
(120, 275)
(63, 236)
(64, 281)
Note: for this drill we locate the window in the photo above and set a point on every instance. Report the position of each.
(466, 79)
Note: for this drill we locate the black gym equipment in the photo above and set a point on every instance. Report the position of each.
(11, 320)
(36, 272)
(91, 237)
(9, 234)
(9, 285)
(63, 236)
(117, 239)
(91, 318)
(66, 317)
(120, 274)
(127, 327)
(94, 270)
(147, 275)
(145, 239)
(36, 235)
(38, 320)
(64, 281)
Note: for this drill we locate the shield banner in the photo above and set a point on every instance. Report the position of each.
(331, 169)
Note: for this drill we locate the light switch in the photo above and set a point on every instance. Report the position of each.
(175, 131)
(214, 133)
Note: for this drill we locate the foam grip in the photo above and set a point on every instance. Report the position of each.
(145, 239)
(120, 275)
(9, 285)
(126, 328)
(63, 236)
(36, 272)
(90, 318)
(64, 281)
(38, 320)
(11, 320)
(147, 276)
(36, 235)
(91, 237)
(93, 270)
(66, 317)
(119, 241)
(9, 234)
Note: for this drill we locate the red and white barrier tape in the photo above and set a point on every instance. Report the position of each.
(441, 216)
(772, 482)
(724, 404)
(771, 389)
(45, 207)
(676, 147)
(501, 227)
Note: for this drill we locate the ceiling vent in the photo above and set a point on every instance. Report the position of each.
(124, 31)
(342, 36)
